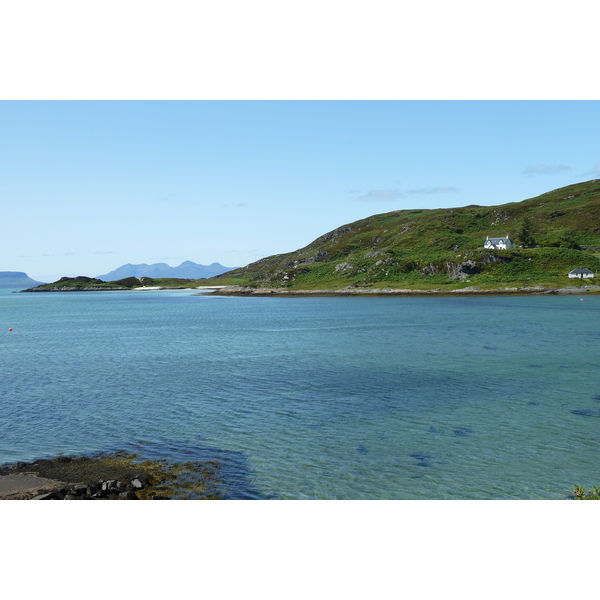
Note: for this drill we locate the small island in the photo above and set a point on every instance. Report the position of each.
(92, 284)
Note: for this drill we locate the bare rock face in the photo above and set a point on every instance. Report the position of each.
(463, 270)
(343, 267)
(430, 269)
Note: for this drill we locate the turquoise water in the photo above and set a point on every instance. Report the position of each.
(340, 398)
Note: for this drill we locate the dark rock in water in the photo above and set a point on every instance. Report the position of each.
(586, 413)
(362, 450)
(533, 404)
(423, 460)
(462, 431)
(419, 455)
(433, 429)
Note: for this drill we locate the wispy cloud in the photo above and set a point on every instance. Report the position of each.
(595, 170)
(378, 195)
(545, 169)
(71, 254)
(104, 252)
(432, 190)
(170, 197)
(389, 194)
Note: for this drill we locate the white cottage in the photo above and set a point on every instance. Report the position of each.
(499, 243)
(581, 274)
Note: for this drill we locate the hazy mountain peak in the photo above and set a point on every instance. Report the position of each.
(186, 270)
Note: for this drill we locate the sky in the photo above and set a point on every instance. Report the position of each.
(88, 186)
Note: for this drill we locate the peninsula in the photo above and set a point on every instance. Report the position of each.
(546, 244)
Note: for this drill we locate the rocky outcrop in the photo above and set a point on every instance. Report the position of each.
(318, 256)
(331, 236)
(110, 476)
(462, 270)
(110, 489)
(344, 267)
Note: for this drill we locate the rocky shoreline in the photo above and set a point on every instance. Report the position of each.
(109, 489)
(357, 291)
(114, 476)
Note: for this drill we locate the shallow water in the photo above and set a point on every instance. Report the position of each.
(381, 398)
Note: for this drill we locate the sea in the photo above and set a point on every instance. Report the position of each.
(390, 398)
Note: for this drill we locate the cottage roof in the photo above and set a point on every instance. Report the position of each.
(498, 239)
(581, 271)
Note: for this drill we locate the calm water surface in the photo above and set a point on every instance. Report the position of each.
(341, 398)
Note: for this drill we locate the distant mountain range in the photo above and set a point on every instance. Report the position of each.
(186, 270)
(16, 279)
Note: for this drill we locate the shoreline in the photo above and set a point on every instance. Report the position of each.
(109, 476)
(469, 291)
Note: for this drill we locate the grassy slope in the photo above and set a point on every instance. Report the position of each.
(423, 249)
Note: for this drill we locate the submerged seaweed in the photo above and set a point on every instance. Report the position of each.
(210, 474)
(423, 460)
(586, 413)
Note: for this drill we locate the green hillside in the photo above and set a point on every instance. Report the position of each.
(420, 249)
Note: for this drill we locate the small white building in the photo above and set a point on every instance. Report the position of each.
(499, 243)
(581, 274)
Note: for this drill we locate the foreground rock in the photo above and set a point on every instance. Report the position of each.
(117, 476)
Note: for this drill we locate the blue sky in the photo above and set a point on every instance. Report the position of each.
(90, 185)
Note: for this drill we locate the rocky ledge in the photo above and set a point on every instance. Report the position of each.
(114, 476)
(103, 490)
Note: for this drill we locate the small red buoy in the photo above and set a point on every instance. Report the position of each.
(10, 328)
